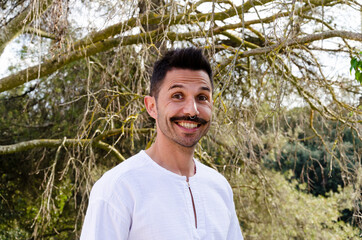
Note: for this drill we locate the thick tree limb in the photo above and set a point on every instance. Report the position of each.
(52, 65)
(24, 146)
(100, 41)
(109, 148)
(39, 32)
(154, 19)
(27, 145)
(16, 26)
(304, 40)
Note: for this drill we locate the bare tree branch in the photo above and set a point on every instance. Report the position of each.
(39, 32)
(152, 18)
(304, 40)
(16, 26)
(63, 59)
(51, 143)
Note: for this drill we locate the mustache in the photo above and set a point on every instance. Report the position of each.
(195, 119)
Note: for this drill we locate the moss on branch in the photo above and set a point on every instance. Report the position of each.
(52, 65)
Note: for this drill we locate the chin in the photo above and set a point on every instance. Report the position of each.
(187, 144)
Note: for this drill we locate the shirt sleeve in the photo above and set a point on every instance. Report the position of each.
(104, 221)
(234, 232)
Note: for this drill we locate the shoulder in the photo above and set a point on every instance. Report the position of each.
(209, 172)
(212, 176)
(111, 202)
(115, 179)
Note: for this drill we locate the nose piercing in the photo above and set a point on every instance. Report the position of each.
(192, 117)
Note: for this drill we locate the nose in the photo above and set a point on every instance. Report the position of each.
(190, 108)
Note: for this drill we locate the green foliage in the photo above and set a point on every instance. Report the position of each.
(286, 184)
(301, 151)
(270, 206)
(356, 65)
(34, 200)
(35, 112)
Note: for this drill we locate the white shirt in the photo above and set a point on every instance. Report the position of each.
(140, 200)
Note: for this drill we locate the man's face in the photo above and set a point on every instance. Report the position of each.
(184, 106)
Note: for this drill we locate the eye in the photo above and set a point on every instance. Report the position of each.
(177, 96)
(203, 98)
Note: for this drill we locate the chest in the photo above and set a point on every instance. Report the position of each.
(179, 210)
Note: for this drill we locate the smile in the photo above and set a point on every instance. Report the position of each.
(188, 125)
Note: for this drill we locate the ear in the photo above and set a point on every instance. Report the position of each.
(150, 103)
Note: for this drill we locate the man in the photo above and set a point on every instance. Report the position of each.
(163, 193)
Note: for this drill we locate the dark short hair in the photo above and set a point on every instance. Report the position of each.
(184, 58)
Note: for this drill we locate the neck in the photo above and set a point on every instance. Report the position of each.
(173, 157)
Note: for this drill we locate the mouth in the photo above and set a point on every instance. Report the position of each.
(188, 125)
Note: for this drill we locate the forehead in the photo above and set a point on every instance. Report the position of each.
(186, 77)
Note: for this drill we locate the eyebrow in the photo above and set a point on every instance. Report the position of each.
(206, 89)
(181, 86)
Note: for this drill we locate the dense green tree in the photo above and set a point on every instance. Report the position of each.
(305, 154)
(291, 213)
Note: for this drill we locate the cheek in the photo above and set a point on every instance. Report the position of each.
(205, 112)
(172, 108)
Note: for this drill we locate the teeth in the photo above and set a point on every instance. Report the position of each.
(188, 125)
